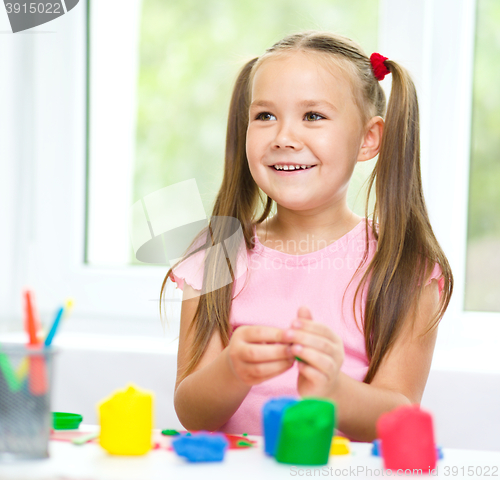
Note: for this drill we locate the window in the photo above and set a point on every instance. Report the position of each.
(482, 291)
(45, 233)
(176, 68)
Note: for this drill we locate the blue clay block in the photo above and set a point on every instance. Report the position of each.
(439, 452)
(376, 448)
(201, 447)
(271, 417)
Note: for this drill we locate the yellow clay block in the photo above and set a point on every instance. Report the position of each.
(340, 446)
(126, 419)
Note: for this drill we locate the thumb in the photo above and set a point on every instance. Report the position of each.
(304, 313)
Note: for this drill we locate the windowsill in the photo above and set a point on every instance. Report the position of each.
(471, 356)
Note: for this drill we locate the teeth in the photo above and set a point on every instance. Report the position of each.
(292, 167)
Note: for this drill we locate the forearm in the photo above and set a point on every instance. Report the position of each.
(359, 405)
(208, 398)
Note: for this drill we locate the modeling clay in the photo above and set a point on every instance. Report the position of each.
(126, 420)
(439, 453)
(201, 447)
(407, 437)
(170, 432)
(340, 446)
(306, 433)
(377, 449)
(238, 442)
(243, 443)
(271, 417)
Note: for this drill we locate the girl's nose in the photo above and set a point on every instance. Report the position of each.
(286, 137)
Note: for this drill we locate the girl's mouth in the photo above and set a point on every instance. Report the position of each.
(289, 169)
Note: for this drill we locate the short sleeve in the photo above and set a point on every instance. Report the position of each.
(437, 274)
(190, 269)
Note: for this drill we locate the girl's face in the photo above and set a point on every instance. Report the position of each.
(302, 114)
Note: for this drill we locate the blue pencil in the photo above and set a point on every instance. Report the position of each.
(53, 328)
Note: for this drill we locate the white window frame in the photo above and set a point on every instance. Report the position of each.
(433, 39)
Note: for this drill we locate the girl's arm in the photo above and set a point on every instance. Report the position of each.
(400, 379)
(208, 397)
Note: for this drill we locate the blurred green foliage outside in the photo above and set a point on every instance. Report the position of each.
(482, 291)
(190, 54)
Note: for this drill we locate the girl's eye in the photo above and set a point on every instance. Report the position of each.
(312, 117)
(266, 116)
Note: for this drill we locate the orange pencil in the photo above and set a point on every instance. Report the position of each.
(31, 323)
(37, 367)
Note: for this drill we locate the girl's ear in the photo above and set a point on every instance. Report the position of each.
(372, 140)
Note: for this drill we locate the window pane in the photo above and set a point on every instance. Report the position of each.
(483, 260)
(189, 55)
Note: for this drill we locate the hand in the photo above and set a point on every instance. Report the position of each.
(256, 354)
(321, 352)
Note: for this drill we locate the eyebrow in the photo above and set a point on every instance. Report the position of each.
(303, 103)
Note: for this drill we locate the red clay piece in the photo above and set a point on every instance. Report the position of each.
(407, 437)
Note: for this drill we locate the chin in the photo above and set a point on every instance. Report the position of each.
(294, 205)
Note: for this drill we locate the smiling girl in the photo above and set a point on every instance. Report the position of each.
(358, 300)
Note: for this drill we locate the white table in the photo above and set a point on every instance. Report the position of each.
(91, 462)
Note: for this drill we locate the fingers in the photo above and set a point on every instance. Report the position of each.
(255, 353)
(315, 328)
(315, 359)
(314, 335)
(313, 375)
(304, 312)
(260, 334)
(260, 372)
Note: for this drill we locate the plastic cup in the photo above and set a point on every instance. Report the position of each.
(25, 414)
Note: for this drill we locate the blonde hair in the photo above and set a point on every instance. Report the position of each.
(407, 249)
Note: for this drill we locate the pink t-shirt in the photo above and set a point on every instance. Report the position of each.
(272, 289)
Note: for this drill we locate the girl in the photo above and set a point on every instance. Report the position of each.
(356, 300)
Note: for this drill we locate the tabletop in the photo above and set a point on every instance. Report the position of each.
(91, 462)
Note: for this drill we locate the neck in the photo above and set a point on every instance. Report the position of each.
(314, 227)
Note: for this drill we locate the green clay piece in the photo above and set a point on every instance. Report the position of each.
(245, 434)
(306, 433)
(85, 438)
(170, 432)
(243, 443)
(299, 359)
(66, 421)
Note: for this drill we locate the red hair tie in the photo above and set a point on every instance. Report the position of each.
(378, 66)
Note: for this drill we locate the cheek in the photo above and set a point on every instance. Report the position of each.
(253, 147)
(250, 146)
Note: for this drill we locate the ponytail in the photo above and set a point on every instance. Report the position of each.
(407, 249)
(237, 198)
